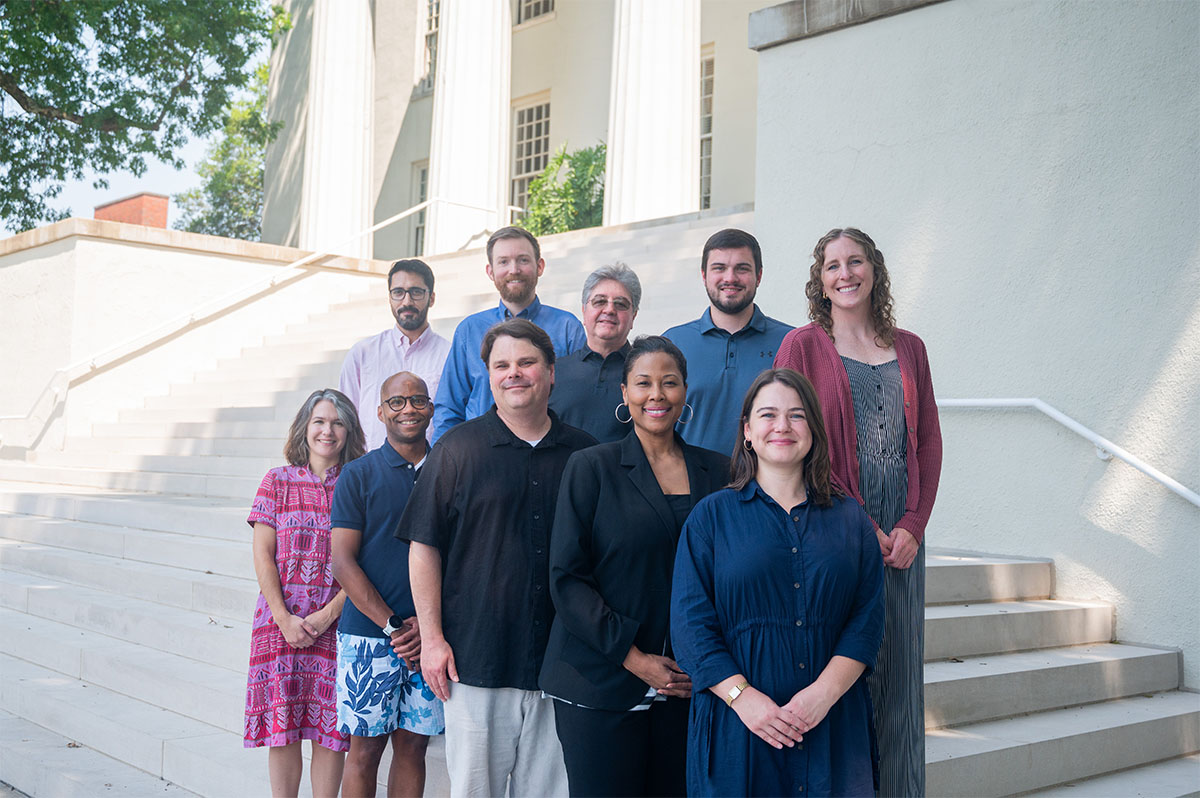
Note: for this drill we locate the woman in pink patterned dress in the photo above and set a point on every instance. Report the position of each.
(291, 688)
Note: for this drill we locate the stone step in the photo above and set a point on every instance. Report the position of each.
(223, 642)
(223, 389)
(183, 551)
(152, 482)
(42, 764)
(960, 577)
(216, 416)
(1026, 753)
(208, 593)
(288, 400)
(324, 372)
(108, 459)
(968, 630)
(274, 431)
(193, 755)
(213, 695)
(263, 448)
(204, 516)
(1171, 778)
(974, 689)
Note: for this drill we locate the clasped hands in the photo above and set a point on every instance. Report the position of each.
(661, 673)
(302, 632)
(899, 548)
(783, 725)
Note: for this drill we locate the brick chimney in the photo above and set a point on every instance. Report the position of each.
(144, 208)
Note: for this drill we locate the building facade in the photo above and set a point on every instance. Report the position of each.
(388, 103)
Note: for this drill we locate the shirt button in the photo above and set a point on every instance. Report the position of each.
(912, 429)
(880, 407)
(796, 585)
(801, 666)
(799, 623)
(536, 516)
(793, 549)
(795, 518)
(537, 551)
(906, 404)
(535, 482)
(880, 426)
(538, 588)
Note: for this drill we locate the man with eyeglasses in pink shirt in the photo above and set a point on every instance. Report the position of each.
(410, 345)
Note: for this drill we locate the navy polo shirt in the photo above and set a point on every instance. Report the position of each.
(587, 390)
(721, 367)
(370, 496)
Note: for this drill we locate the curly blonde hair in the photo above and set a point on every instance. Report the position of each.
(881, 290)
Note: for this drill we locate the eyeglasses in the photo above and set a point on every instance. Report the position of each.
(419, 401)
(417, 293)
(619, 304)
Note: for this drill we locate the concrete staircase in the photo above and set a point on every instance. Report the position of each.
(126, 585)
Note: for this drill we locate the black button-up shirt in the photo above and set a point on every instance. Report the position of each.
(587, 390)
(486, 500)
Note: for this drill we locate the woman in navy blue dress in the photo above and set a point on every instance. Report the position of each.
(777, 613)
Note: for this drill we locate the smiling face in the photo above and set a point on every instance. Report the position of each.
(515, 270)
(777, 428)
(655, 392)
(730, 279)
(519, 375)
(411, 313)
(847, 276)
(608, 315)
(325, 434)
(407, 425)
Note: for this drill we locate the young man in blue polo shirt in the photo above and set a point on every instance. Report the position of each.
(380, 691)
(731, 342)
(514, 265)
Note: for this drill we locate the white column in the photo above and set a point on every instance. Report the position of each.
(337, 151)
(653, 166)
(468, 153)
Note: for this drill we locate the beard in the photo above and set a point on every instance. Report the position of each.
(414, 322)
(518, 295)
(732, 306)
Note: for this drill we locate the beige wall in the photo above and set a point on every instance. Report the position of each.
(1030, 170)
(735, 80)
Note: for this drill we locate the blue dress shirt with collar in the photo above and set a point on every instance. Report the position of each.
(721, 367)
(464, 392)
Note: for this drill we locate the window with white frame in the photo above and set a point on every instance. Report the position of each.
(420, 194)
(531, 148)
(706, 126)
(433, 13)
(530, 9)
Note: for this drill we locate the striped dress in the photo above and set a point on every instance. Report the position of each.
(897, 683)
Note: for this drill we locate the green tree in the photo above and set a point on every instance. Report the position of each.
(230, 199)
(572, 201)
(103, 85)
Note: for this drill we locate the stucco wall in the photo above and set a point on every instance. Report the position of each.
(1030, 169)
(77, 295)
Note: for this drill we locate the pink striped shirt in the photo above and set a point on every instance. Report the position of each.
(372, 360)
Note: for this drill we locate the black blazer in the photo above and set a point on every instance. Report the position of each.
(612, 554)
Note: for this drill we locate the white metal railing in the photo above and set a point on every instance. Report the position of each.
(1105, 449)
(23, 430)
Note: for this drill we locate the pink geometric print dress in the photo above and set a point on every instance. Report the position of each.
(291, 692)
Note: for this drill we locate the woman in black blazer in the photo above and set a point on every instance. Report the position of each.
(622, 701)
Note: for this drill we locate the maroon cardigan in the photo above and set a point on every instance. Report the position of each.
(810, 351)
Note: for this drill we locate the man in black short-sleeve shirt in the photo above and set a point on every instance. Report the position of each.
(479, 523)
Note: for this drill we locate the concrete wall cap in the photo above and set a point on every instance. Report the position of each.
(802, 19)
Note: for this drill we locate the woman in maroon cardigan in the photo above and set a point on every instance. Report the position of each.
(886, 450)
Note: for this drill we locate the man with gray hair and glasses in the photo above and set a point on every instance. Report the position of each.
(587, 385)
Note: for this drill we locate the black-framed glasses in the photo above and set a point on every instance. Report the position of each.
(418, 293)
(419, 401)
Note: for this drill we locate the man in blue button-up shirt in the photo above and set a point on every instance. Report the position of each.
(729, 344)
(514, 265)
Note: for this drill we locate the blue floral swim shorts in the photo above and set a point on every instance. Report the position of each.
(377, 693)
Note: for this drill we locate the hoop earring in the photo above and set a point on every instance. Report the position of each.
(691, 414)
(617, 413)
(746, 445)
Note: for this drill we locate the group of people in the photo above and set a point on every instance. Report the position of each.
(690, 563)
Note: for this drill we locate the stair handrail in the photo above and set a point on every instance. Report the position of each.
(55, 392)
(1105, 449)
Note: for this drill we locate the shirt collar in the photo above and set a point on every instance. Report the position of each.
(394, 458)
(498, 433)
(758, 321)
(401, 341)
(530, 312)
(591, 353)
